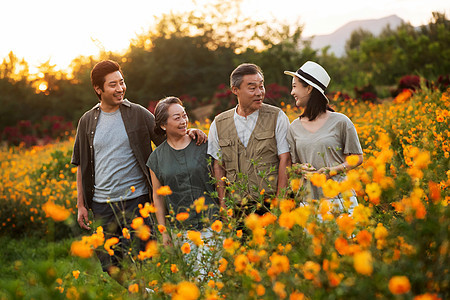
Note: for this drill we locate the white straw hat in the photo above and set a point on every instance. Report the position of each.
(313, 74)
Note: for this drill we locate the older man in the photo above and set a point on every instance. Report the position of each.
(250, 139)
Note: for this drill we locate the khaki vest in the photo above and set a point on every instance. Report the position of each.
(260, 158)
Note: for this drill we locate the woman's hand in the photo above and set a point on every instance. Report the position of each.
(167, 241)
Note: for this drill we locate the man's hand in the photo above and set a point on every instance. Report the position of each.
(83, 218)
(197, 134)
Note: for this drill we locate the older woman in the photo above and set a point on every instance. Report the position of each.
(321, 139)
(182, 165)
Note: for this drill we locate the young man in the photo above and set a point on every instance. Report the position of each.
(250, 139)
(112, 145)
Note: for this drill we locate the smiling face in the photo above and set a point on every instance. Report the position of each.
(113, 92)
(300, 92)
(250, 94)
(176, 125)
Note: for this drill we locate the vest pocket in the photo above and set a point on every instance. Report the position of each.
(227, 149)
(266, 144)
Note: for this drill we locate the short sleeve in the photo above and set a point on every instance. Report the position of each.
(152, 163)
(281, 133)
(350, 139)
(291, 141)
(213, 141)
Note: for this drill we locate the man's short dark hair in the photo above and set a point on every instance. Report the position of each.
(99, 72)
(237, 75)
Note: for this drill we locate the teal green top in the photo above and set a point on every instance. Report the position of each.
(186, 172)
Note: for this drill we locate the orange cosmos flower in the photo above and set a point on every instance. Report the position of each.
(164, 191)
(341, 246)
(310, 270)
(183, 216)
(76, 274)
(239, 233)
(137, 222)
(346, 224)
(240, 263)
(56, 212)
(133, 288)
(278, 288)
(81, 249)
(110, 242)
(217, 226)
(362, 262)
(399, 285)
(427, 296)
(287, 205)
(287, 220)
(174, 268)
(380, 232)
(151, 249)
(186, 291)
(186, 248)
(162, 228)
(318, 179)
(146, 210)
(126, 233)
(373, 190)
(364, 238)
(223, 263)
(143, 232)
(260, 290)
(196, 237)
(133, 189)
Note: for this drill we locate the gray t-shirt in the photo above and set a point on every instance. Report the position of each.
(116, 167)
(325, 147)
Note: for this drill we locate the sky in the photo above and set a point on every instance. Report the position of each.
(60, 30)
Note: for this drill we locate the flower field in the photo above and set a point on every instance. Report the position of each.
(395, 245)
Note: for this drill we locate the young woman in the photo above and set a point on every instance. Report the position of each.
(321, 139)
(182, 165)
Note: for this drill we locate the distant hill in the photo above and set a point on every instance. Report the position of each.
(338, 38)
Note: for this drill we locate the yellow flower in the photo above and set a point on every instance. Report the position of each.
(146, 210)
(239, 233)
(295, 184)
(196, 237)
(133, 189)
(199, 205)
(380, 232)
(373, 190)
(310, 270)
(186, 248)
(217, 226)
(352, 160)
(76, 274)
(399, 285)
(81, 249)
(137, 222)
(362, 262)
(331, 188)
(287, 220)
(164, 191)
(56, 212)
(126, 233)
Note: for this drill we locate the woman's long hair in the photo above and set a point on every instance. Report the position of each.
(317, 104)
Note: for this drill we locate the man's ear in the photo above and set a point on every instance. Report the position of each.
(97, 89)
(234, 90)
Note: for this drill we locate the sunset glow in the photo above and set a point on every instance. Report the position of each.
(110, 25)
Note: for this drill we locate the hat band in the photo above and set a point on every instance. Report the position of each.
(310, 78)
